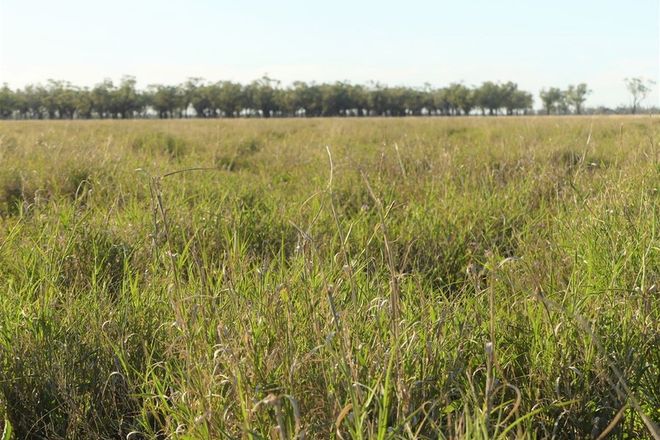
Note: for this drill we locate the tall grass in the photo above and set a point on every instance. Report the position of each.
(381, 278)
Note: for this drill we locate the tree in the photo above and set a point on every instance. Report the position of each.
(297, 99)
(34, 100)
(84, 103)
(413, 101)
(334, 98)
(551, 99)
(509, 94)
(166, 100)
(262, 95)
(126, 99)
(21, 104)
(426, 99)
(190, 91)
(7, 101)
(378, 99)
(102, 98)
(639, 89)
(441, 101)
(395, 98)
(490, 96)
(60, 99)
(229, 98)
(576, 96)
(201, 99)
(303, 99)
(562, 104)
(358, 98)
(461, 98)
(522, 101)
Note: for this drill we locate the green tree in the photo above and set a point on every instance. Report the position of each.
(426, 97)
(441, 101)
(490, 96)
(189, 92)
(34, 101)
(229, 98)
(639, 89)
(84, 103)
(7, 102)
(576, 96)
(358, 99)
(265, 96)
(395, 101)
(125, 99)
(378, 99)
(101, 96)
(508, 95)
(261, 95)
(461, 98)
(60, 99)
(21, 104)
(201, 99)
(294, 100)
(167, 101)
(413, 101)
(551, 98)
(334, 99)
(522, 101)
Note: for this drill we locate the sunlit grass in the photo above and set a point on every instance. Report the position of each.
(377, 278)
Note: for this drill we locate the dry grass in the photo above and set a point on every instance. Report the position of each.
(376, 278)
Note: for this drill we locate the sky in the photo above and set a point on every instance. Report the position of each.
(536, 43)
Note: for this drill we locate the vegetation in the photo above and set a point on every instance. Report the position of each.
(264, 97)
(560, 101)
(639, 89)
(331, 278)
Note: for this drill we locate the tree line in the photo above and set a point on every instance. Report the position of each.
(266, 97)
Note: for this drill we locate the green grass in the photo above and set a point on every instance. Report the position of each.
(336, 278)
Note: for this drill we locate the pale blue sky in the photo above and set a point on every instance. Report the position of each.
(535, 43)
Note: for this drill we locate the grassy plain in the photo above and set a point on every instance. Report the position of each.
(429, 278)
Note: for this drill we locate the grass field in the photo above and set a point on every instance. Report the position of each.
(336, 278)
